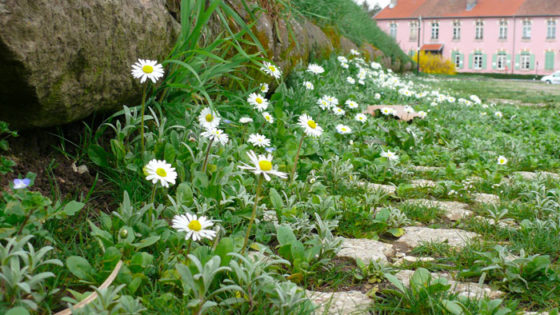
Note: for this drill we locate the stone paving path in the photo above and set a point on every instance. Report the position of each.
(396, 252)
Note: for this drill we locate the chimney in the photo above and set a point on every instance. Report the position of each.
(471, 4)
(393, 4)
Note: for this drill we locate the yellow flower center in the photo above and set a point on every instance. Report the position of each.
(161, 172)
(311, 124)
(195, 225)
(209, 117)
(148, 69)
(263, 88)
(265, 165)
(267, 117)
(259, 100)
(272, 68)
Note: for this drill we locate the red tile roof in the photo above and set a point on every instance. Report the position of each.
(431, 47)
(458, 8)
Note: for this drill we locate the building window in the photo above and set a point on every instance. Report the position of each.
(457, 60)
(501, 61)
(479, 30)
(551, 29)
(503, 29)
(435, 30)
(393, 30)
(478, 61)
(525, 61)
(456, 30)
(413, 31)
(526, 29)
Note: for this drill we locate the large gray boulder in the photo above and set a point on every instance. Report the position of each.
(60, 60)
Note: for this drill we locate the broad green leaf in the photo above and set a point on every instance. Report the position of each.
(276, 199)
(80, 267)
(72, 207)
(18, 310)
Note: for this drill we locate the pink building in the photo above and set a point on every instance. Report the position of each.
(501, 36)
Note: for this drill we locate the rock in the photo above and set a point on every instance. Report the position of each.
(418, 168)
(423, 183)
(79, 169)
(350, 302)
(414, 235)
(486, 198)
(504, 224)
(454, 210)
(388, 189)
(346, 45)
(62, 60)
(469, 289)
(534, 176)
(366, 250)
(413, 259)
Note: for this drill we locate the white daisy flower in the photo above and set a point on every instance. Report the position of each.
(323, 103)
(268, 117)
(315, 68)
(374, 65)
(343, 129)
(208, 119)
(498, 114)
(310, 126)
(160, 171)
(259, 102)
(391, 156)
(408, 109)
(246, 120)
(361, 82)
(264, 88)
(377, 96)
(350, 80)
(361, 118)
(354, 52)
(258, 140)
(433, 104)
(422, 114)
(342, 59)
(351, 104)
(502, 160)
(344, 65)
(262, 165)
(196, 228)
(147, 69)
(271, 70)
(339, 111)
(387, 111)
(308, 85)
(216, 135)
(333, 101)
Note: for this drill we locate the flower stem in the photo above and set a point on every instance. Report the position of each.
(142, 124)
(253, 215)
(297, 157)
(206, 157)
(154, 193)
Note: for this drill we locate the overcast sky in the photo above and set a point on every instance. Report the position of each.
(371, 3)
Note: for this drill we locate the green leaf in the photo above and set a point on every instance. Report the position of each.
(146, 242)
(396, 232)
(396, 282)
(420, 278)
(72, 207)
(285, 235)
(80, 267)
(225, 247)
(453, 307)
(276, 199)
(18, 310)
(98, 155)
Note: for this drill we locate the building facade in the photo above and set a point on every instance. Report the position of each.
(500, 36)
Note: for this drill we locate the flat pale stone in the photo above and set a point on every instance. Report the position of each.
(505, 224)
(423, 183)
(414, 235)
(453, 210)
(413, 259)
(388, 189)
(469, 289)
(486, 198)
(349, 302)
(366, 250)
(419, 168)
(535, 175)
